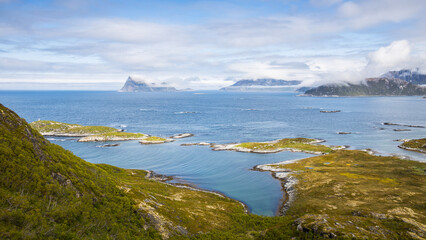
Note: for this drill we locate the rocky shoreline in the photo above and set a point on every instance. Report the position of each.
(143, 141)
(288, 183)
(182, 135)
(412, 149)
(235, 147)
(100, 138)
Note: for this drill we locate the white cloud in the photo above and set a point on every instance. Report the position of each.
(396, 54)
(203, 54)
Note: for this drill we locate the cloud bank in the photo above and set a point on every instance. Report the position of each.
(209, 45)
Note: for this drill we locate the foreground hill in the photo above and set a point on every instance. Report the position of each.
(371, 87)
(133, 85)
(47, 192)
(264, 84)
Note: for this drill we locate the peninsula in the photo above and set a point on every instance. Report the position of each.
(354, 195)
(92, 133)
(306, 145)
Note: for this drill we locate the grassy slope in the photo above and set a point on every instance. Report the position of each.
(295, 143)
(47, 192)
(353, 193)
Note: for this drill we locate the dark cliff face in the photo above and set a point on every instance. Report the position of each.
(371, 87)
(140, 86)
(413, 77)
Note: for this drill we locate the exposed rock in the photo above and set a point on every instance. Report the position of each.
(404, 125)
(197, 144)
(109, 145)
(182, 135)
(330, 111)
(143, 141)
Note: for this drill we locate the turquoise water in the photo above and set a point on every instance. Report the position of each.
(220, 117)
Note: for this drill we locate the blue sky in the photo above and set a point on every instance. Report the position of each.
(90, 44)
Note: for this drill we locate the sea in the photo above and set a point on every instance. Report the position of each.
(223, 117)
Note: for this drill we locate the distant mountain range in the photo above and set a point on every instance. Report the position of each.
(413, 77)
(132, 85)
(264, 84)
(382, 86)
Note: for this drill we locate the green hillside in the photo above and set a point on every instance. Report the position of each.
(46, 192)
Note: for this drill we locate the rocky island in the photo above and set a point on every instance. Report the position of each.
(133, 85)
(306, 145)
(370, 87)
(91, 133)
(261, 85)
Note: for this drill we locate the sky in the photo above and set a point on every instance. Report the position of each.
(97, 44)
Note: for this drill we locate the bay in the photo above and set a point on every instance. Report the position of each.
(223, 117)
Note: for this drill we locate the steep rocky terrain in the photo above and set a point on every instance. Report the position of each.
(370, 87)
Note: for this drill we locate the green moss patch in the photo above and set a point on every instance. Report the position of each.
(303, 144)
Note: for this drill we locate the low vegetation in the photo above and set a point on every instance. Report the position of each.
(418, 145)
(303, 144)
(155, 139)
(89, 133)
(51, 127)
(46, 192)
(355, 194)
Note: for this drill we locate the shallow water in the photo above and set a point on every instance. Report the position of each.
(221, 117)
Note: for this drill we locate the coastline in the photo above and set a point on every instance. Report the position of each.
(287, 182)
(165, 178)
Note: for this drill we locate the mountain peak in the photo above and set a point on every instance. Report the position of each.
(139, 85)
(411, 76)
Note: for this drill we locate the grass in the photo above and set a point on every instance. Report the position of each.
(294, 143)
(172, 206)
(45, 126)
(154, 139)
(417, 144)
(352, 192)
